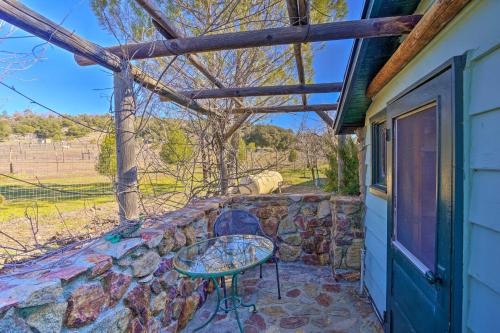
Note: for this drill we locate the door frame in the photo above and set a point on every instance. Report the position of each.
(456, 144)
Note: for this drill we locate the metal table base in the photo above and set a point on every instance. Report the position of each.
(228, 304)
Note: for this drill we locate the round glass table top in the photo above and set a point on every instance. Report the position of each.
(223, 255)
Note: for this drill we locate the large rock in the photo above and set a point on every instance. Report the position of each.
(115, 285)
(190, 234)
(289, 252)
(287, 226)
(115, 321)
(138, 300)
(117, 250)
(145, 264)
(48, 319)
(167, 244)
(189, 309)
(323, 209)
(180, 240)
(292, 239)
(84, 305)
(269, 226)
(158, 303)
(32, 293)
(12, 323)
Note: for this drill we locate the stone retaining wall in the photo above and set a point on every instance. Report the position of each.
(348, 236)
(301, 224)
(130, 286)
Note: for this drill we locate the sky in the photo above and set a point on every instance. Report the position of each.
(59, 83)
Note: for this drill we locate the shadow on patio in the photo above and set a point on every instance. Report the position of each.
(312, 301)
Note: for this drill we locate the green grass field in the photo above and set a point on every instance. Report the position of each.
(64, 195)
(67, 194)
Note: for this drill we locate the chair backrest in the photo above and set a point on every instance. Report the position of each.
(237, 221)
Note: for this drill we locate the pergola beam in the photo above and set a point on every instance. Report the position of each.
(168, 30)
(287, 108)
(298, 12)
(263, 91)
(376, 27)
(23, 17)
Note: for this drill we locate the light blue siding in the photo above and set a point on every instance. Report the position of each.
(375, 240)
(483, 315)
(482, 227)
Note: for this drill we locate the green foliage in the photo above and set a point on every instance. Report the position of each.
(5, 129)
(48, 128)
(270, 136)
(106, 161)
(251, 146)
(348, 152)
(292, 155)
(57, 128)
(177, 147)
(76, 131)
(22, 129)
(242, 150)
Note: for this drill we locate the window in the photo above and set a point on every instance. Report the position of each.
(379, 156)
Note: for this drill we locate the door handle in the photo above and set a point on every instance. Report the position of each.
(432, 278)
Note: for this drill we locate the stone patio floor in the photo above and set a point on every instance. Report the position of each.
(312, 301)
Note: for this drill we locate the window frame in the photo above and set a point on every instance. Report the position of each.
(376, 121)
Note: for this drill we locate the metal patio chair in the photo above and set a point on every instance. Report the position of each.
(240, 222)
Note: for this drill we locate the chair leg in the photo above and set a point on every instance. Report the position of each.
(260, 267)
(278, 278)
(223, 283)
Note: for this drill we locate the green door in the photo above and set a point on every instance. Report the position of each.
(420, 196)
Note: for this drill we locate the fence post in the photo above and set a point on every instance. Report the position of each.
(128, 196)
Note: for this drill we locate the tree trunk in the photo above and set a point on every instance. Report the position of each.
(222, 169)
(127, 192)
(204, 160)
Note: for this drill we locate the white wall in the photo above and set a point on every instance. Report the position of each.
(476, 30)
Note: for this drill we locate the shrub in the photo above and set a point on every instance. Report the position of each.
(348, 152)
(177, 147)
(292, 155)
(106, 161)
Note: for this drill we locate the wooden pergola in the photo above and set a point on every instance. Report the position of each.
(117, 59)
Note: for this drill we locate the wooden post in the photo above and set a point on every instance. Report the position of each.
(11, 165)
(360, 134)
(127, 191)
(340, 162)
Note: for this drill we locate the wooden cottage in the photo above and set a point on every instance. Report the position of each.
(428, 106)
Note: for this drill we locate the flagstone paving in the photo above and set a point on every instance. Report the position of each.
(312, 301)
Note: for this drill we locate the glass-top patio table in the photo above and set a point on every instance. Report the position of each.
(220, 257)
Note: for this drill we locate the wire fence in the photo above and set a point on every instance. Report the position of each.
(18, 189)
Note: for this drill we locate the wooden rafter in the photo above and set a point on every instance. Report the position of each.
(263, 90)
(169, 31)
(287, 108)
(377, 27)
(298, 12)
(23, 17)
(438, 16)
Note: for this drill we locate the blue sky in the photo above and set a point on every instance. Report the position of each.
(58, 82)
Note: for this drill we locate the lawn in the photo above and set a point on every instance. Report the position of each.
(63, 195)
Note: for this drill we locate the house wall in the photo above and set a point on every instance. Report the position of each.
(474, 31)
